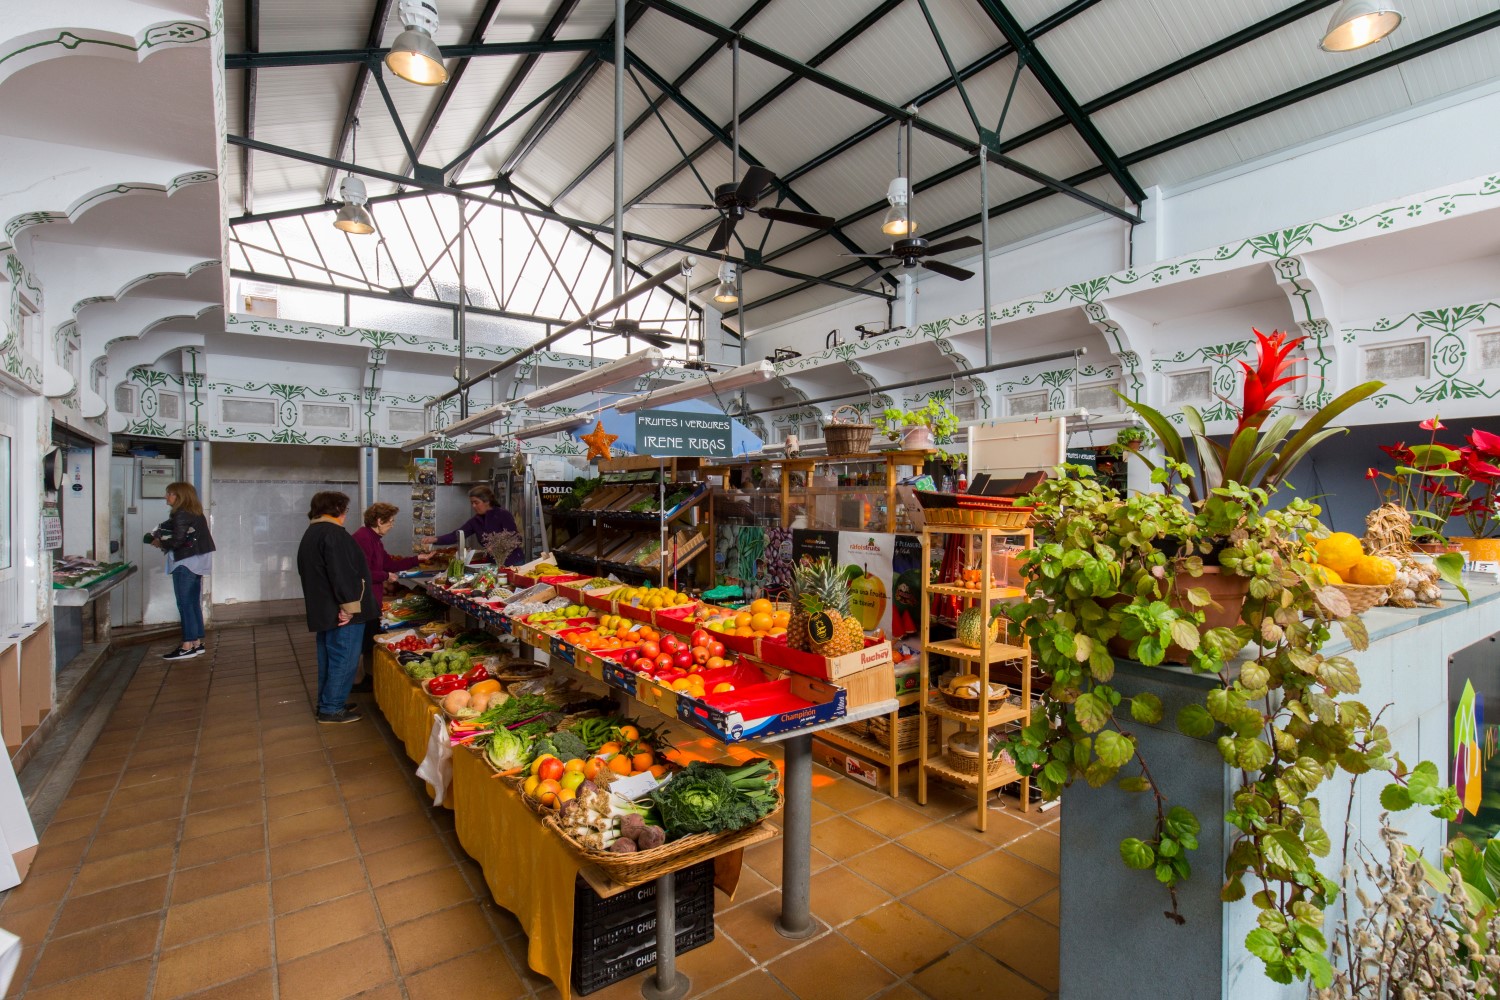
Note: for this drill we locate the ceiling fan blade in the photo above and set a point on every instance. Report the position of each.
(672, 204)
(948, 270)
(870, 256)
(962, 243)
(874, 277)
(756, 180)
(651, 339)
(655, 332)
(796, 218)
(721, 235)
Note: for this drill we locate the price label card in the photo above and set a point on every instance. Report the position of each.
(820, 628)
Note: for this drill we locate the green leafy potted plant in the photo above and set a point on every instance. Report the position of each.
(922, 429)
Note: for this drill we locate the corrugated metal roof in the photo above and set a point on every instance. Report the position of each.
(1093, 50)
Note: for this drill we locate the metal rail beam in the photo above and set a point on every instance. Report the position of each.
(1058, 91)
(377, 293)
(335, 57)
(476, 37)
(247, 163)
(357, 93)
(1384, 61)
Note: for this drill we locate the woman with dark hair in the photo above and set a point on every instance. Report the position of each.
(184, 537)
(382, 566)
(339, 599)
(488, 519)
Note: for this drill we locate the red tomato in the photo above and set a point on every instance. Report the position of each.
(551, 769)
(715, 648)
(650, 650)
(700, 638)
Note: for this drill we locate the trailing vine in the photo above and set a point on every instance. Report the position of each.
(1117, 575)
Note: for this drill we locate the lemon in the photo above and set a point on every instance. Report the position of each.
(1339, 552)
(1327, 576)
(1374, 571)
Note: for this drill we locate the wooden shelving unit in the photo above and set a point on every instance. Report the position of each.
(989, 653)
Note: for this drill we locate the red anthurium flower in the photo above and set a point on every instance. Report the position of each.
(1262, 381)
(1433, 424)
(1400, 452)
(1372, 474)
(1485, 442)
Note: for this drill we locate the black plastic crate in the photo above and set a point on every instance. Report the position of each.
(631, 926)
(590, 912)
(635, 956)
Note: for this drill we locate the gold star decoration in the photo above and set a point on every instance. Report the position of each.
(598, 441)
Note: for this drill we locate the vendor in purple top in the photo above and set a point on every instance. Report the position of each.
(488, 519)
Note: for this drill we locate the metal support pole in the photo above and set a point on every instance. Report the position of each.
(617, 259)
(668, 983)
(463, 295)
(796, 841)
(984, 252)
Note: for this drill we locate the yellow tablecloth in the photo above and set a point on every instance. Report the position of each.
(529, 870)
(405, 706)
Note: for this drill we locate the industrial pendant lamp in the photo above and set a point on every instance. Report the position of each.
(1358, 23)
(725, 294)
(414, 56)
(352, 215)
(898, 220)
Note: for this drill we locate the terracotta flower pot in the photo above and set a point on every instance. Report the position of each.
(1437, 548)
(1480, 549)
(918, 438)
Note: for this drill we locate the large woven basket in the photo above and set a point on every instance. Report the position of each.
(1010, 519)
(1362, 597)
(847, 437)
(964, 760)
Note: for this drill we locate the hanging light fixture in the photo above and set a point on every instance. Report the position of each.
(423, 441)
(898, 220)
(628, 367)
(739, 378)
(414, 56)
(481, 419)
(1357, 23)
(558, 426)
(352, 215)
(725, 294)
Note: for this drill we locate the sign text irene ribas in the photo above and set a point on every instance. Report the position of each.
(665, 433)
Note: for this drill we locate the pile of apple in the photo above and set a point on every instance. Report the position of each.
(681, 665)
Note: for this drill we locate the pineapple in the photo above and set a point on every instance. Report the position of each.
(821, 587)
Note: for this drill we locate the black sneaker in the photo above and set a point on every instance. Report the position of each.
(336, 718)
(350, 706)
(183, 654)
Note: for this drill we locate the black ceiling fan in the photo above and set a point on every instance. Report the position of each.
(911, 253)
(631, 328)
(733, 200)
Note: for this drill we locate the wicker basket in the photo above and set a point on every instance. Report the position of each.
(963, 759)
(972, 704)
(849, 437)
(1362, 597)
(1012, 519)
(908, 731)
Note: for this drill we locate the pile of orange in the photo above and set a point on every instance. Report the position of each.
(602, 640)
(761, 618)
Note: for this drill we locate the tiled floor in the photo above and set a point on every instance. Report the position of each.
(218, 843)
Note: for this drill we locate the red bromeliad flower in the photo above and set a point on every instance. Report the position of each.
(1484, 442)
(1262, 381)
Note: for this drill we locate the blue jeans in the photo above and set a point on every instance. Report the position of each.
(338, 659)
(188, 588)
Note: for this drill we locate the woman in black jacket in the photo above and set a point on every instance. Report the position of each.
(189, 547)
(339, 600)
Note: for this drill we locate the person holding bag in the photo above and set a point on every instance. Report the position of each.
(185, 538)
(339, 599)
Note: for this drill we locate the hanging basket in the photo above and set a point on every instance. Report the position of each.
(847, 437)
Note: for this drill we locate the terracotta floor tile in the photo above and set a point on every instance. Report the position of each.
(123, 817)
(1048, 908)
(421, 894)
(283, 782)
(959, 905)
(1009, 877)
(891, 818)
(318, 927)
(758, 985)
(58, 855)
(899, 938)
(121, 981)
(256, 986)
(248, 813)
(393, 832)
(1040, 848)
(845, 795)
(831, 967)
(457, 977)
(305, 800)
(716, 962)
(222, 958)
(945, 846)
(44, 889)
(204, 799)
(132, 867)
(894, 868)
(752, 884)
(218, 846)
(77, 806)
(1005, 825)
(839, 895)
(113, 843)
(98, 948)
(1026, 944)
(92, 786)
(165, 788)
(318, 885)
(903, 991)
(434, 939)
(820, 812)
(80, 828)
(753, 927)
(312, 853)
(136, 775)
(969, 972)
(222, 876)
(81, 912)
(31, 926)
(403, 862)
(766, 860)
(215, 914)
(841, 838)
(364, 812)
(288, 747)
(291, 829)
